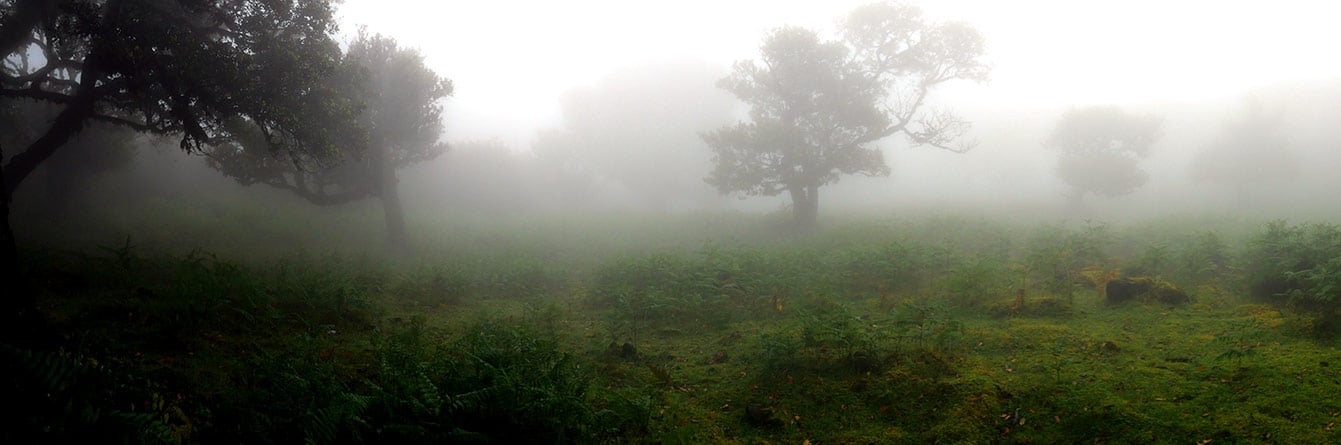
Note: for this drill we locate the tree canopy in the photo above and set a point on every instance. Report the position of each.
(818, 106)
(184, 68)
(1101, 148)
(399, 122)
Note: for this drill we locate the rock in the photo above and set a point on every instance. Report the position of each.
(1127, 289)
(1144, 289)
(1109, 346)
(1171, 294)
(761, 416)
(625, 351)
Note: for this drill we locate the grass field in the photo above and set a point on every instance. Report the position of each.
(711, 328)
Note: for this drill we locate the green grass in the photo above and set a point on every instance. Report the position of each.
(690, 329)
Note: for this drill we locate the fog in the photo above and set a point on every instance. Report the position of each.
(605, 221)
(601, 107)
(1191, 64)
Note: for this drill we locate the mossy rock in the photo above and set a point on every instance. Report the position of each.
(1144, 289)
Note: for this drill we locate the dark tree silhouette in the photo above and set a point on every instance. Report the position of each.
(818, 106)
(1101, 148)
(400, 122)
(99, 148)
(170, 67)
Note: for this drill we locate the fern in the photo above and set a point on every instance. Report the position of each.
(68, 399)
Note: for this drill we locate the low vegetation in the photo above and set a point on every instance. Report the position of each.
(937, 329)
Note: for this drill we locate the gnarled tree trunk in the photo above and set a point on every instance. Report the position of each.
(805, 206)
(18, 302)
(389, 193)
(17, 306)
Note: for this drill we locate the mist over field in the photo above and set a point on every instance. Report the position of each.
(397, 221)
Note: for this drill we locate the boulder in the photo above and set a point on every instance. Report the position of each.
(1144, 289)
(1127, 289)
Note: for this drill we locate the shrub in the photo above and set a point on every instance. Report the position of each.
(1300, 267)
(496, 382)
(57, 397)
(896, 267)
(1056, 256)
(975, 280)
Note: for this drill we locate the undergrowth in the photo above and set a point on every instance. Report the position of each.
(944, 330)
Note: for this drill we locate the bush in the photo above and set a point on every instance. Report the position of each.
(1299, 267)
(1055, 257)
(57, 397)
(976, 280)
(495, 382)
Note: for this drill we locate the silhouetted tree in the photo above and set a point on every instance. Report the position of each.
(1250, 152)
(638, 128)
(172, 67)
(399, 124)
(818, 106)
(100, 147)
(1101, 148)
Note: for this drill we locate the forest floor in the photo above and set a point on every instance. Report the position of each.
(945, 330)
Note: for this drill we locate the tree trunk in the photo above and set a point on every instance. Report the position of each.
(17, 306)
(389, 193)
(67, 124)
(805, 206)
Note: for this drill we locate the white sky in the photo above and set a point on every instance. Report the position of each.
(511, 60)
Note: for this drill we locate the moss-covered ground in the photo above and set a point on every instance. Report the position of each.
(678, 330)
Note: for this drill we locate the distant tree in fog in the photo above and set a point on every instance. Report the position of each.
(1251, 151)
(818, 106)
(638, 128)
(1101, 149)
(399, 123)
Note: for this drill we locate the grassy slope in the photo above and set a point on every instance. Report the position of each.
(894, 353)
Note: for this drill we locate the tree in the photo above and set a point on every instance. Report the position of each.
(400, 122)
(1101, 147)
(1250, 152)
(638, 128)
(170, 67)
(99, 148)
(818, 106)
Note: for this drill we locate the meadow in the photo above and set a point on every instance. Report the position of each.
(182, 324)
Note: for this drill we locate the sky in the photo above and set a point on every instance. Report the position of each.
(511, 60)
